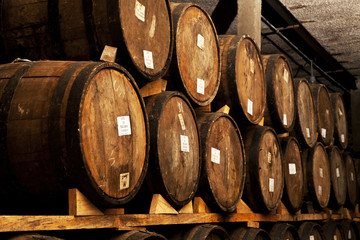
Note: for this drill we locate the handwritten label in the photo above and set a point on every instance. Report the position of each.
(335, 237)
(311, 237)
(286, 75)
(124, 126)
(124, 181)
(269, 157)
(271, 185)
(200, 41)
(349, 234)
(215, 155)
(285, 120)
(200, 86)
(320, 190)
(148, 59)
(250, 107)
(352, 176)
(337, 172)
(308, 132)
(342, 138)
(323, 132)
(252, 66)
(140, 11)
(184, 143)
(182, 122)
(292, 168)
(321, 172)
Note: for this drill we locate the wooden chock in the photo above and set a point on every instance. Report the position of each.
(253, 224)
(261, 123)
(188, 208)
(108, 54)
(283, 135)
(160, 206)
(200, 206)
(224, 109)
(153, 88)
(206, 108)
(242, 207)
(282, 210)
(79, 205)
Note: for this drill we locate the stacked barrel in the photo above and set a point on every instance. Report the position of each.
(84, 124)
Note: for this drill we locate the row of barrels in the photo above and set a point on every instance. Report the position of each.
(331, 230)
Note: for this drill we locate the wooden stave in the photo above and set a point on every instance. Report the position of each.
(298, 125)
(319, 90)
(176, 81)
(337, 100)
(226, 94)
(138, 235)
(337, 199)
(272, 116)
(279, 230)
(71, 170)
(307, 228)
(97, 26)
(332, 229)
(154, 107)
(288, 195)
(202, 232)
(206, 121)
(253, 195)
(249, 234)
(352, 186)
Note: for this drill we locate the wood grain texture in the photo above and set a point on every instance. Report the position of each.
(352, 185)
(284, 231)
(223, 161)
(79, 205)
(242, 85)
(196, 54)
(340, 120)
(280, 101)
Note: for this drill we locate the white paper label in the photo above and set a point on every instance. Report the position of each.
(337, 172)
(140, 11)
(327, 111)
(285, 120)
(335, 237)
(323, 132)
(320, 190)
(349, 234)
(352, 176)
(252, 66)
(124, 127)
(124, 181)
(308, 132)
(311, 237)
(215, 155)
(321, 172)
(182, 122)
(271, 184)
(342, 138)
(200, 86)
(286, 75)
(200, 41)
(184, 143)
(292, 168)
(148, 59)
(250, 107)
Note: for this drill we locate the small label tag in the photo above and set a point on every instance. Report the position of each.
(323, 132)
(335, 237)
(349, 234)
(340, 112)
(320, 190)
(250, 107)
(292, 168)
(124, 181)
(200, 86)
(286, 75)
(140, 11)
(124, 127)
(200, 41)
(252, 66)
(148, 59)
(352, 176)
(321, 172)
(327, 111)
(184, 142)
(337, 172)
(271, 185)
(311, 237)
(215, 155)
(342, 138)
(285, 120)
(269, 157)
(308, 132)
(182, 123)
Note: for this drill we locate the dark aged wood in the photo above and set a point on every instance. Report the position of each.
(340, 120)
(59, 130)
(264, 173)
(337, 177)
(223, 161)
(280, 101)
(202, 232)
(242, 85)
(79, 30)
(284, 231)
(293, 195)
(174, 167)
(332, 230)
(138, 235)
(195, 67)
(249, 234)
(305, 128)
(352, 185)
(349, 230)
(316, 175)
(325, 113)
(308, 229)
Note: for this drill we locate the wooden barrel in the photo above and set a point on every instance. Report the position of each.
(293, 196)
(174, 167)
(349, 229)
(62, 127)
(333, 231)
(325, 113)
(340, 120)
(79, 30)
(284, 231)
(311, 231)
(138, 235)
(337, 178)
(352, 185)
(264, 173)
(249, 234)
(223, 161)
(316, 175)
(280, 101)
(242, 85)
(202, 232)
(33, 236)
(305, 128)
(195, 66)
